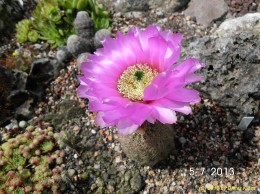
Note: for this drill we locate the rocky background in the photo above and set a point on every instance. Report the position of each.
(224, 34)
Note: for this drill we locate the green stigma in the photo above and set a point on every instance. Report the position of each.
(139, 75)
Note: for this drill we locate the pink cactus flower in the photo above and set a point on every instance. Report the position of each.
(133, 79)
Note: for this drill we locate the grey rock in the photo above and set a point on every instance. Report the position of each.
(71, 172)
(18, 96)
(182, 140)
(159, 13)
(12, 91)
(136, 182)
(25, 111)
(124, 6)
(82, 58)
(127, 176)
(249, 23)
(232, 72)
(11, 13)
(84, 25)
(99, 36)
(206, 11)
(42, 72)
(77, 45)
(134, 14)
(168, 6)
(63, 55)
(67, 110)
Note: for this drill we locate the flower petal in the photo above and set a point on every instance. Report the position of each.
(184, 95)
(164, 115)
(182, 107)
(126, 127)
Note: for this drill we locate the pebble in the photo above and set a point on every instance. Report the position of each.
(93, 131)
(97, 166)
(118, 159)
(216, 163)
(76, 128)
(182, 140)
(22, 124)
(71, 172)
(75, 156)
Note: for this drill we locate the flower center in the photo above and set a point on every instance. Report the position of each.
(134, 80)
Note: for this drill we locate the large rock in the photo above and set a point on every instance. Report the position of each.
(233, 65)
(168, 5)
(11, 13)
(249, 23)
(12, 92)
(41, 74)
(207, 11)
(19, 90)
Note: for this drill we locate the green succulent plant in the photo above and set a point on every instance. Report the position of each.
(29, 162)
(23, 28)
(53, 20)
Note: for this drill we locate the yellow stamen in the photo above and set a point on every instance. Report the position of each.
(134, 80)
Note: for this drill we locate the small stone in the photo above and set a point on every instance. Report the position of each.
(93, 131)
(29, 128)
(118, 159)
(71, 172)
(99, 182)
(127, 176)
(110, 188)
(81, 162)
(97, 166)
(93, 187)
(191, 158)
(209, 186)
(75, 156)
(22, 124)
(182, 140)
(214, 183)
(216, 163)
(117, 148)
(136, 182)
(76, 128)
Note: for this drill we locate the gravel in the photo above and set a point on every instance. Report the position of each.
(205, 141)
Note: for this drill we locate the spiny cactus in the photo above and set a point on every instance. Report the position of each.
(27, 162)
(149, 144)
(53, 20)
